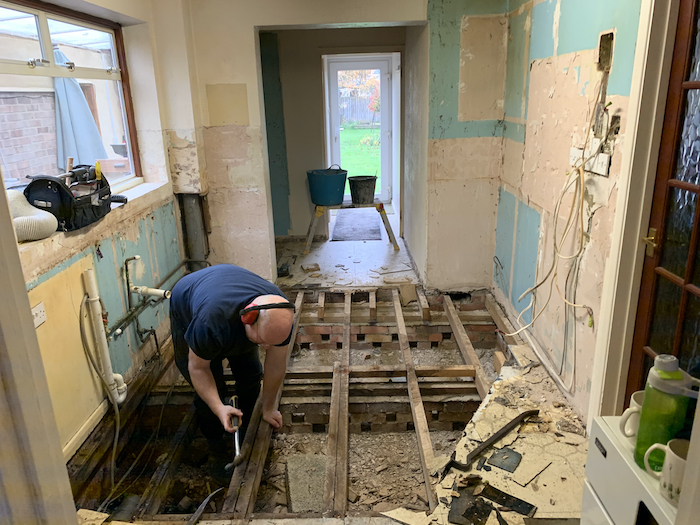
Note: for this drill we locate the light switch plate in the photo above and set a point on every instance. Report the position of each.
(39, 314)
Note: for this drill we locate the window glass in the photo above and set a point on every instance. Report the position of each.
(19, 36)
(45, 120)
(83, 46)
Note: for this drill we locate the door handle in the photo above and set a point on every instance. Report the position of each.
(651, 241)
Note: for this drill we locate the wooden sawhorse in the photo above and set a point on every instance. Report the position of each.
(320, 210)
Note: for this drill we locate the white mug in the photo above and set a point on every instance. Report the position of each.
(629, 423)
(671, 476)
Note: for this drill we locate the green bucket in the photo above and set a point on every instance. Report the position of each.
(327, 187)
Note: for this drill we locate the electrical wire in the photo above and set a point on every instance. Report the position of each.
(117, 420)
(576, 214)
(154, 436)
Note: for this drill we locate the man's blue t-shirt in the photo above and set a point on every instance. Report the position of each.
(205, 306)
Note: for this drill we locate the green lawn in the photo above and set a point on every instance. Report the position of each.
(357, 158)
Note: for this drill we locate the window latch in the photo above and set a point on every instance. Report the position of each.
(70, 66)
(33, 62)
(113, 70)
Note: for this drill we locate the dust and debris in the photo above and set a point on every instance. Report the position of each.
(308, 268)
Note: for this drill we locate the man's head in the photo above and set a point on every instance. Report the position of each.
(272, 326)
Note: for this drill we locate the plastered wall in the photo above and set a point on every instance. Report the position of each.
(554, 44)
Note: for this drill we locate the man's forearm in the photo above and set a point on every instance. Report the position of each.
(205, 386)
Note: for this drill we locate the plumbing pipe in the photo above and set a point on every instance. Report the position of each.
(151, 292)
(115, 382)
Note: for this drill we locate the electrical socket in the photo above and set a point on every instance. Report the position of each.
(39, 315)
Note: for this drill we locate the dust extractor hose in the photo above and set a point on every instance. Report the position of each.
(30, 223)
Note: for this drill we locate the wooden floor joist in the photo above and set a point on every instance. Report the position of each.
(502, 322)
(326, 372)
(424, 306)
(157, 490)
(420, 422)
(465, 346)
(332, 444)
(240, 498)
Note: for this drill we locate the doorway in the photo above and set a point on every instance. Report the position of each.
(362, 111)
(668, 313)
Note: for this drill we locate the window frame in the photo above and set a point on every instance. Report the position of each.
(43, 11)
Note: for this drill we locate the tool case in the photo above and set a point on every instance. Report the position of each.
(86, 200)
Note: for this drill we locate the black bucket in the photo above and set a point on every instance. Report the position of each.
(362, 189)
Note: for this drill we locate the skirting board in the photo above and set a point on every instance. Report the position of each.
(81, 435)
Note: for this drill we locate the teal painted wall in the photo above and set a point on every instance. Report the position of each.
(580, 24)
(276, 138)
(445, 17)
(157, 244)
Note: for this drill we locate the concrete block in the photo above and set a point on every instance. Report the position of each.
(374, 330)
(305, 478)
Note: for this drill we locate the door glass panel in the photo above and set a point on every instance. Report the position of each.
(84, 46)
(690, 344)
(679, 226)
(688, 157)
(19, 36)
(695, 64)
(663, 324)
(360, 133)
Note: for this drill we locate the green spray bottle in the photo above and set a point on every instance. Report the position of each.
(666, 398)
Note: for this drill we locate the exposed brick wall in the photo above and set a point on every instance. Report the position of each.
(28, 134)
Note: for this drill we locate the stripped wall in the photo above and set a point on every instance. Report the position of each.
(551, 88)
(153, 235)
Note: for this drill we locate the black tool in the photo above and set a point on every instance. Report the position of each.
(464, 467)
(237, 458)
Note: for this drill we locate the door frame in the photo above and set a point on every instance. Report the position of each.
(650, 79)
(389, 132)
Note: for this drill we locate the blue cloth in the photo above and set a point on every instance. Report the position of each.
(204, 307)
(77, 135)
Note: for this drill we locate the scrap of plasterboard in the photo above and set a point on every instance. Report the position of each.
(523, 354)
(397, 280)
(408, 517)
(408, 294)
(438, 463)
(530, 468)
(91, 517)
(308, 268)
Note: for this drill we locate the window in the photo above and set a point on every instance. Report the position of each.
(62, 95)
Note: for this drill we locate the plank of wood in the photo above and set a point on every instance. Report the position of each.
(240, 498)
(465, 346)
(340, 499)
(502, 322)
(371, 371)
(162, 479)
(386, 389)
(373, 306)
(332, 443)
(97, 448)
(420, 422)
(499, 359)
(321, 305)
(424, 306)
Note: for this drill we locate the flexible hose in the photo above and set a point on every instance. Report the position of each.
(117, 421)
(30, 223)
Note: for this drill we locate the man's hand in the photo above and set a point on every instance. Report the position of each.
(225, 415)
(274, 418)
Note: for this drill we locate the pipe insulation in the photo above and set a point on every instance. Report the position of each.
(115, 382)
(30, 223)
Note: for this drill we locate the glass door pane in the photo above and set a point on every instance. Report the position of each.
(359, 104)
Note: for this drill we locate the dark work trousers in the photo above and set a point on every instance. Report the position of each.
(247, 372)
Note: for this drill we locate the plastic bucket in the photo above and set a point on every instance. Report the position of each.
(362, 189)
(327, 186)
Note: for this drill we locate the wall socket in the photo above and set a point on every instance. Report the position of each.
(39, 315)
